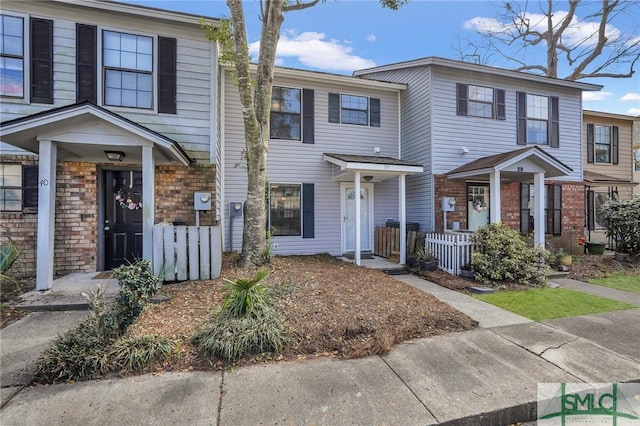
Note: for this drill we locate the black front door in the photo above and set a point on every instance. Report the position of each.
(122, 217)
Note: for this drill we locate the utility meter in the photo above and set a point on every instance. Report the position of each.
(202, 201)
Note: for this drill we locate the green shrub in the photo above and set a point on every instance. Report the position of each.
(622, 220)
(503, 255)
(137, 286)
(231, 338)
(79, 354)
(245, 296)
(137, 353)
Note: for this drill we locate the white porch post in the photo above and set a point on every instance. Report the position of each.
(46, 214)
(494, 197)
(403, 220)
(356, 186)
(149, 201)
(538, 215)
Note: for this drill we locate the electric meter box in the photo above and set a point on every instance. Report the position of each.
(202, 201)
(235, 208)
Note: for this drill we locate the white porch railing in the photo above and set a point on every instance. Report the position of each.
(452, 250)
(187, 252)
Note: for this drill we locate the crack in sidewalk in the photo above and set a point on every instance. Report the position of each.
(219, 418)
(559, 346)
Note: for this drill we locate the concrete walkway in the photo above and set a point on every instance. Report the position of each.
(598, 290)
(484, 376)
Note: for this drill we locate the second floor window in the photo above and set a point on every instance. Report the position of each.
(602, 144)
(481, 101)
(286, 107)
(11, 56)
(354, 110)
(128, 70)
(538, 120)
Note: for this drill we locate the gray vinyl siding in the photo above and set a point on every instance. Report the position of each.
(484, 137)
(190, 126)
(415, 139)
(295, 162)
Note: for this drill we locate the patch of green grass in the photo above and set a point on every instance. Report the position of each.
(621, 281)
(547, 303)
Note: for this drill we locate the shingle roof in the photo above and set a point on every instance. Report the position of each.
(371, 159)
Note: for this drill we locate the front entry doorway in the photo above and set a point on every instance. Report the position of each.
(477, 206)
(349, 217)
(122, 217)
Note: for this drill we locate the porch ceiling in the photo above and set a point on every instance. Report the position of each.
(517, 165)
(84, 131)
(372, 168)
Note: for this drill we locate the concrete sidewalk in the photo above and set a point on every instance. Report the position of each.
(484, 376)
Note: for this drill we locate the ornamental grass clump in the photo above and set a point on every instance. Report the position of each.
(95, 346)
(246, 324)
(502, 255)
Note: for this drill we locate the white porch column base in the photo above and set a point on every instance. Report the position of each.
(149, 201)
(403, 219)
(538, 216)
(494, 197)
(356, 186)
(46, 214)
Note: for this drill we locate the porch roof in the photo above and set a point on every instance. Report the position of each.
(594, 178)
(377, 168)
(84, 131)
(517, 164)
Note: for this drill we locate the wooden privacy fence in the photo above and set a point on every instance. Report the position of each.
(387, 241)
(187, 252)
(452, 250)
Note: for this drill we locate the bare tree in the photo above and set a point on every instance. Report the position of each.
(255, 97)
(583, 40)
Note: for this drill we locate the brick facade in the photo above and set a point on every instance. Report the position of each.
(573, 202)
(77, 214)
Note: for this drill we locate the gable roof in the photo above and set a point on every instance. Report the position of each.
(484, 69)
(22, 132)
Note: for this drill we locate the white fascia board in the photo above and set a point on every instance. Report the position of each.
(472, 173)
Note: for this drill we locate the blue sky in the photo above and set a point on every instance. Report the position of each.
(341, 36)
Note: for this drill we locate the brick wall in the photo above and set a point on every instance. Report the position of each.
(76, 239)
(573, 212)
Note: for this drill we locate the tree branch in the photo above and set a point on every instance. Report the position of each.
(298, 5)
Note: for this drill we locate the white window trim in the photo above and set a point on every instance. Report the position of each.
(547, 120)
(368, 110)
(26, 58)
(301, 117)
(301, 208)
(596, 143)
(492, 103)
(154, 74)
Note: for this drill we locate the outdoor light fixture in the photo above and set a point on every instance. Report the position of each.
(367, 178)
(115, 155)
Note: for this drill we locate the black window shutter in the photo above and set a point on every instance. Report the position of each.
(525, 226)
(374, 107)
(462, 96)
(590, 142)
(167, 68)
(557, 210)
(308, 116)
(334, 107)
(29, 187)
(521, 110)
(591, 214)
(86, 63)
(41, 60)
(501, 109)
(614, 144)
(554, 122)
(308, 213)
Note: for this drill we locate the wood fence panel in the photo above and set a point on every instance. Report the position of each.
(181, 244)
(169, 253)
(192, 237)
(205, 253)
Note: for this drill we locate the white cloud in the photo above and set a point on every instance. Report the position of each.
(595, 96)
(579, 33)
(630, 97)
(314, 50)
(634, 111)
(371, 38)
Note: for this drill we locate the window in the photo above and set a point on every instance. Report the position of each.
(285, 210)
(480, 101)
(11, 56)
(636, 160)
(602, 144)
(552, 209)
(353, 109)
(538, 120)
(286, 109)
(128, 70)
(599, 199)
(18, 187)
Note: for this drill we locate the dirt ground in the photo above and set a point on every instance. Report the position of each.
(10, 291)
